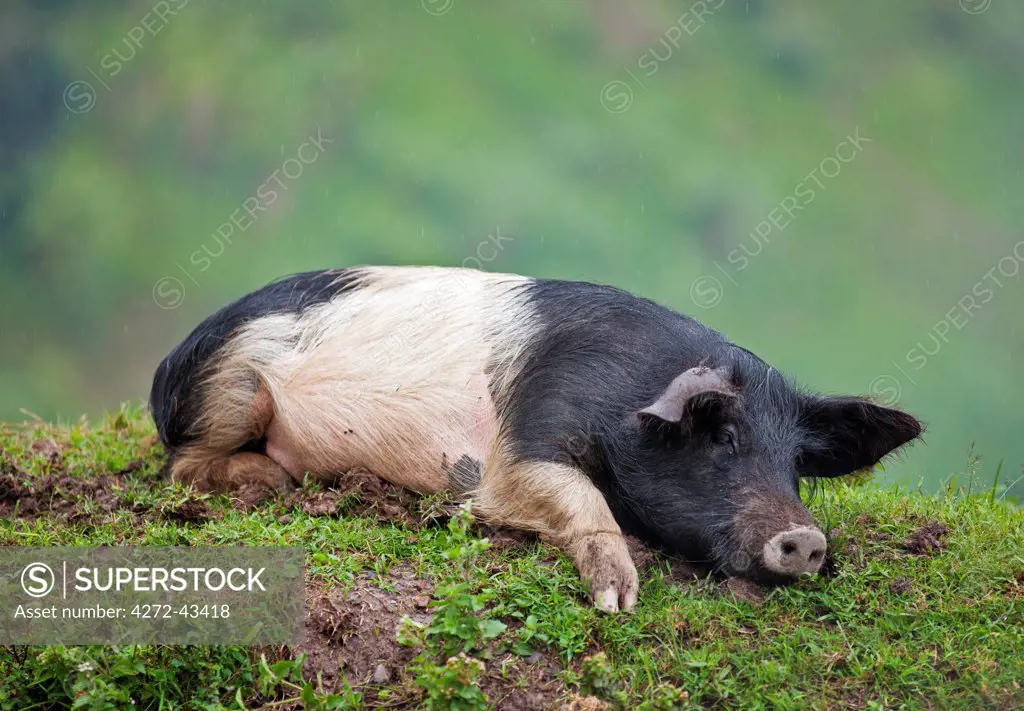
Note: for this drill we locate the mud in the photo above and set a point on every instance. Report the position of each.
(58, 494)
(540, 687)
(681, 572)
(830, 566)
(360, 493)
(84, 499)
(189, 511)
(928, 539)
(647, 559)
(50, 450)
(353, 633)
(1015, 586)
(745, 591)
(644, 557)
(900, 586)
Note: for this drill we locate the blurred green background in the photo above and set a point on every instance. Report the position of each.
(635, 143)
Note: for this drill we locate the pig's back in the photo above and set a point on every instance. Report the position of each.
(395, 374)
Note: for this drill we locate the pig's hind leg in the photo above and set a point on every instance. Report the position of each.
(560, 502)
(219, 460)
(212, 472)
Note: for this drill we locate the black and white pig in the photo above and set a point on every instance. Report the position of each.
(571, 409)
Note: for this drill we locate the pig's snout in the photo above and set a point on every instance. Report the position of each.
(793, 552)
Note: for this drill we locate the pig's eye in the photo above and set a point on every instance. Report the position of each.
(726, 437)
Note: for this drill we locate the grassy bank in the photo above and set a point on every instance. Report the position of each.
(922, 605)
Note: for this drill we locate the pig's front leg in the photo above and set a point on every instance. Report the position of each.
(560, 502)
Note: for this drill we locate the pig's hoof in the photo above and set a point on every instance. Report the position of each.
(604, 560)
(607, 600)
(619, 595)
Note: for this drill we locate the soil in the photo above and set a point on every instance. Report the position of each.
(900, 586)
(355, 493)
(353, 633)
(928, 539)
(1015, 586)
(58, 494)
(677, 571)
(540, 687)
(49, 449)
(189, 511)
(77, 499)
(745, 590)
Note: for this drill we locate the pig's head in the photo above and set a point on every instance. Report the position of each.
(713, 465)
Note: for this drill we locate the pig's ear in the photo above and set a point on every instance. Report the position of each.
(846, 434)
(695, 382)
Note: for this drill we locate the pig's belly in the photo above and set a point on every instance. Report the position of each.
(424, 436)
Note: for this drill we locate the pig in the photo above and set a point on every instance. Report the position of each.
(571, 409)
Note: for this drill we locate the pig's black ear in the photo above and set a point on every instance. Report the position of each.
(696, 384)
(846, 434)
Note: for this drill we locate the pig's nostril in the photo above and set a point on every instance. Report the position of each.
(794, 552)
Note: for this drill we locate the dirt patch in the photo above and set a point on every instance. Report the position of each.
(247, 498)
(536, 678)
(27, 496)
(360, 493)
(319, 503)
(745, 590)
(830, 566)
(9, 467)
(353, 632)
(642, 554)
(356, 493)
(188, 511)
(845, 548)
(682, 572)
(928, 539)
(58, 494)
(1015, 586)
(900, 586)
(10, 492)
(51, 451)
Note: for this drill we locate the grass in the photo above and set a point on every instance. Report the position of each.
(922, 607)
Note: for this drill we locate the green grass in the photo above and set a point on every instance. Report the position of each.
(886, 628)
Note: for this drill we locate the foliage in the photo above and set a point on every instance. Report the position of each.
(453, 686)
(287, 676)
(114, 678)
(457, 624)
